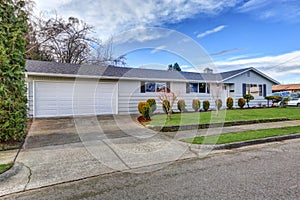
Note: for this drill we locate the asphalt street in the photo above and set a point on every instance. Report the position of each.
(269, 171)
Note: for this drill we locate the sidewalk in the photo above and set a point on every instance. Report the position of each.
(231, 129)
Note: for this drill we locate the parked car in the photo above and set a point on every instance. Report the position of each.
(294, 100)
(285, 98)
(282, 94)
(278, 97)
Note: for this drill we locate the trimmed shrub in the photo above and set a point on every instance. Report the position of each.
(241, 102)
(144, 109)
(274, 99)
(166, 106)
(269, 98)
(181, 105)
(152, 104)
(218, 104)
(248, 98)
(196, 104)
(141, 105)
(229, 103)
(206, 105)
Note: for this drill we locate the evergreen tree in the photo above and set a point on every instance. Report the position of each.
(13, 112)
(174, 67)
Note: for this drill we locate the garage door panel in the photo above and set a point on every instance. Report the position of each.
(68, 98)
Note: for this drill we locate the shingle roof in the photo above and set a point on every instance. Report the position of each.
(286, 87)
(232, 73)
(54, 68)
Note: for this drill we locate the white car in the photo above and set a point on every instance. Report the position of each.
(294, 102)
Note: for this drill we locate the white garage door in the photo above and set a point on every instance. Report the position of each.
(74, 98)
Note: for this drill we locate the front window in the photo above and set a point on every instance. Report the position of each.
(194, 87)
(254, 89)
(202, 87)
(154, 87)
(260, 92)
(197, 88)
(161, 87)
(150, 86)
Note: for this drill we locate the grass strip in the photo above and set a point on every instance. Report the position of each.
(4, 167)
(243, 136)
(224, 116)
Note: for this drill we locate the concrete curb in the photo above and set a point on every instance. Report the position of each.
(15, 169)
(199, 147)
(212, 125)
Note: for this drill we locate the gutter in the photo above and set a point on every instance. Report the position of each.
(113, 78)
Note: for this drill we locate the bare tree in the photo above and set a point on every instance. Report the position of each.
(171, 97)
(65, 41)
(68, 41)
(216, 90)
(103, 54)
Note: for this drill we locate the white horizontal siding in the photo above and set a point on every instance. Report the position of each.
(130, 96)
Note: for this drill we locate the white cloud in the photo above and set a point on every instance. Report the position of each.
(237, 57)
(159, 48)
(253, 5)
(208, 32)
(50, 5)
(112, 17)
(275, 10)
(279, 66)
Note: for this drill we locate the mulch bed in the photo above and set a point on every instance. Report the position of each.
(142, 120)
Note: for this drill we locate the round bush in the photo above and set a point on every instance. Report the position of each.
(166, 106)
(181, 105)
(241, 102)
(141, 105)
(229, 103)
(219, 104)
(152, 104)
(196, 104)
(206, 105)
(144, 109)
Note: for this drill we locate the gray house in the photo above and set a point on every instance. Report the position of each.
(60, 89)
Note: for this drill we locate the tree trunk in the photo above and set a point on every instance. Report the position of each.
(169, 114)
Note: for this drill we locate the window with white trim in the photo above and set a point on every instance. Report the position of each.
(193, 87)
(154, 87)
(254, 89)
(197, 88)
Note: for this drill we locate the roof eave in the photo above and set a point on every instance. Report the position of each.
(112, 77)
(257, 71)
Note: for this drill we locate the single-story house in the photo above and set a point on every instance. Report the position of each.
(60, 89)
(286, 88)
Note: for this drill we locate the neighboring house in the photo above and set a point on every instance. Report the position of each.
(293, 88)
(60, 89)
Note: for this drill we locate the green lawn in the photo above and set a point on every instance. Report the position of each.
(243, 136)
(224, 116)
(4, 167)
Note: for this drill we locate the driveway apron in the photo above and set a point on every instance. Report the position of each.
(64, 149)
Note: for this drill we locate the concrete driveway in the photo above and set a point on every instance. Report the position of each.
(67, 149)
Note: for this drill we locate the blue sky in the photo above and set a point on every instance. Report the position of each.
(222, 34)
